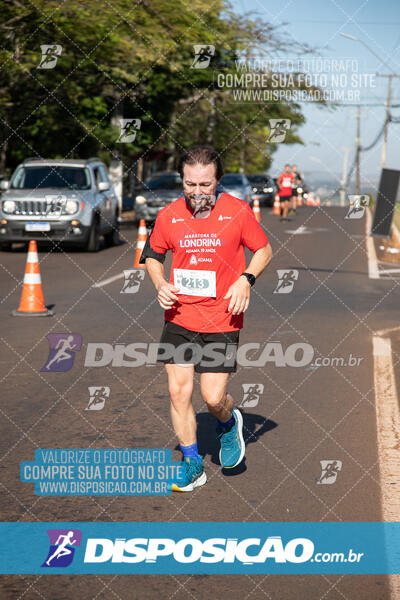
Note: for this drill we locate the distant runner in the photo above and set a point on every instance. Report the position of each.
(204, 301)
(285, 181)
(297, 182)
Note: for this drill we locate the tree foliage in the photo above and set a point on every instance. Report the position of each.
(131, 59)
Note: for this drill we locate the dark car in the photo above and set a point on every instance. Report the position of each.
(263, 187)
(158, 190)
(237, 185)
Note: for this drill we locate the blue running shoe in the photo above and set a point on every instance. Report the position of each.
(232, 442)
(194, 476)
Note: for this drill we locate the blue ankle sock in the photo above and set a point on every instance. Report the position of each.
(228, 424)
(191, 451)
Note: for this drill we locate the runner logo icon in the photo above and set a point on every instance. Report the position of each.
(203, 54)
(98, 396)
(50, 54)
(62, 547)
(357, 206)
(329, 471)
(286, 280)
(62, 351)
(133, 279)
(251, 394)
(128, 130)
(278, 130)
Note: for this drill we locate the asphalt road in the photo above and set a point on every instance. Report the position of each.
(305, 414)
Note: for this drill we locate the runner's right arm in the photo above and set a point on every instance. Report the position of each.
(166, 296)
(153, 256)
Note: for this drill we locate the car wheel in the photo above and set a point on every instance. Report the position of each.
(112, 238)
(93, 242)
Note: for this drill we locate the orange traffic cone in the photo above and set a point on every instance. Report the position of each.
(317, 201)
(256, 209)
(277, 206)
(142, 234)
(299, 200)
(32, 300)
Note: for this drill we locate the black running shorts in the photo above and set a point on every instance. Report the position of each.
(209, 352)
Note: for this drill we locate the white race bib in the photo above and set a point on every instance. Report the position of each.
(286, 182)
(195, 282)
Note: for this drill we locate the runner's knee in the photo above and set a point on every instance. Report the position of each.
(180, 391)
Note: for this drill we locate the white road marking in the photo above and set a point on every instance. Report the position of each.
(373, 271)
(299, 231)
(107, 281)
(389, 271)
(388, 433)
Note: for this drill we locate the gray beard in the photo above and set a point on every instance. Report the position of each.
(202, 209)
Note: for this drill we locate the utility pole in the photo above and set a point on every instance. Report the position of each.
(358, 149)
(343, 183)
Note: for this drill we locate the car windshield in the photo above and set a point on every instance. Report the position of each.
(47, 176)
(165, 182)
(232, 180)
(257, 178)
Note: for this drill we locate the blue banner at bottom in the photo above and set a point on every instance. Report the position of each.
(199, 548)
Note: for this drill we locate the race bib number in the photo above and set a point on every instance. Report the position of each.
(195, 283)
(286, 182)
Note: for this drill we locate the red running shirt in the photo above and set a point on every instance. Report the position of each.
(215, 246)
(285, 188)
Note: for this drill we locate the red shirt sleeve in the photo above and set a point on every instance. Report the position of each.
(159, 238)
(253, 236)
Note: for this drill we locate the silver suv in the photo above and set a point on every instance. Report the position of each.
(67, 200)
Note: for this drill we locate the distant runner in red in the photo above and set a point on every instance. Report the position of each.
(204, 301)
(285, 181)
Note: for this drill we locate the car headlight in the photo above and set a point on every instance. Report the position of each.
(254, 189)
(71, 207)
(305, 195)
(140, 200)
(8, 206)
(299, 189)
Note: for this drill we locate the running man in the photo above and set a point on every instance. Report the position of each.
(297, 181)
(62, 347)
(284, 182)
(62, 549)
(204, 300)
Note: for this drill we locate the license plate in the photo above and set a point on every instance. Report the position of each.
(37, 226)
(195, 282)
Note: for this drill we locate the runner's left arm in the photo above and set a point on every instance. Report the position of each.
(254, 238)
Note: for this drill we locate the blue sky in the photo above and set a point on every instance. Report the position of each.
(326, 133)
